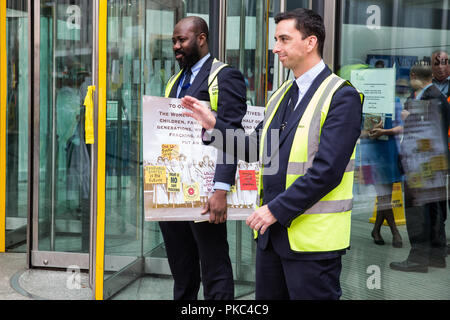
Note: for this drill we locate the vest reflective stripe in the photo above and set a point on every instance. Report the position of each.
(300, 168)
(275, 99)
(330, 206)
(213, 83)
(310, 124)
(271, 108)
(171, 83)
(326, 225)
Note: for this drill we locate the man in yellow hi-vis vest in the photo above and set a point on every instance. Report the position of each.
(199, 251)
(306, 146)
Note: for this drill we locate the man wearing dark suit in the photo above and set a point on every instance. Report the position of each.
(425, 223)
(440, 64)
(298, 256)
(202, 248)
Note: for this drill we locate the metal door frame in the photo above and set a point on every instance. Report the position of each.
(3, 103)
(36, 258)
(16, 223)
(126, 269)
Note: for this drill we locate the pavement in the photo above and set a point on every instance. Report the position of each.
(19, 283)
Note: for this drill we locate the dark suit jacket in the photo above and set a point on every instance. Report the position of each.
(433, 94)
(231, 107)
(340, 132)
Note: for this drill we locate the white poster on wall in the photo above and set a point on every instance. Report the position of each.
(179, 168)
(378, 87)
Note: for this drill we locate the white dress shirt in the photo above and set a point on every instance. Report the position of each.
(305, 81)
(195, 70)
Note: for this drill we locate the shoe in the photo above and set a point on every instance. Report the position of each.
(437, 263)
(408, 266)
(377, 239)
(397, 241)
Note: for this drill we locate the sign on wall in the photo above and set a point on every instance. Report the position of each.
(378, 87)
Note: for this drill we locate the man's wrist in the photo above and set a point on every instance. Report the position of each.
(221, 192)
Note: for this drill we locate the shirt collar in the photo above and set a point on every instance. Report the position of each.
(441, 82)
(306, 79)
(196, 68)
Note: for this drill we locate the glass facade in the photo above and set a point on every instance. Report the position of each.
(401, 181)
(16, 124)
(402, 155)
(64, 159)
(247, 52)
(140, 62)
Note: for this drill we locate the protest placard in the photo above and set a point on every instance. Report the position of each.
(179, 169)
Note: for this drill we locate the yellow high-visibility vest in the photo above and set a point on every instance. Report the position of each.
(326, 225)
(213, 83)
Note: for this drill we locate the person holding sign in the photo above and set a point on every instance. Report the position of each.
(424, 154)
(199, 251)
(302, 220)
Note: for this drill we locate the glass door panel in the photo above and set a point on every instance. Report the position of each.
(140, 61)
(246, 45)
(245, 49)
(123, 219)
(64, 158)
(16, 124)
(159, 52)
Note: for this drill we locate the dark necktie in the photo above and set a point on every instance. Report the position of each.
(186, 83)
(292, 102)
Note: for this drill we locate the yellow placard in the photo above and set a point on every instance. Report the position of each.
(439, 163)
(415, 180)
(424, 145)
(174, 183)
(170, 151)
(425, 169)
(191, 192)
(397, 206)
(155, 174)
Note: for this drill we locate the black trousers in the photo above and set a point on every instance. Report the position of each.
(278, 278)
(426, 230)
(199, 252)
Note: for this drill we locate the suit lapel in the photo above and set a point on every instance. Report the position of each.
(298, 112)
(202, 76)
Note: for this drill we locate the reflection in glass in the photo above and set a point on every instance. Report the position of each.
(245, 43)
(17, 124)
(65, 72)
(140, 62)
(388, 38)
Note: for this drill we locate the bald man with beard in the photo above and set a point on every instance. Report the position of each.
(199, 252)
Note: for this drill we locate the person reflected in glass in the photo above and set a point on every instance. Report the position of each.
(425, 204)
(440, 65)
(382, 153)
(74, 154)
(441, 71)
(378, 140)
